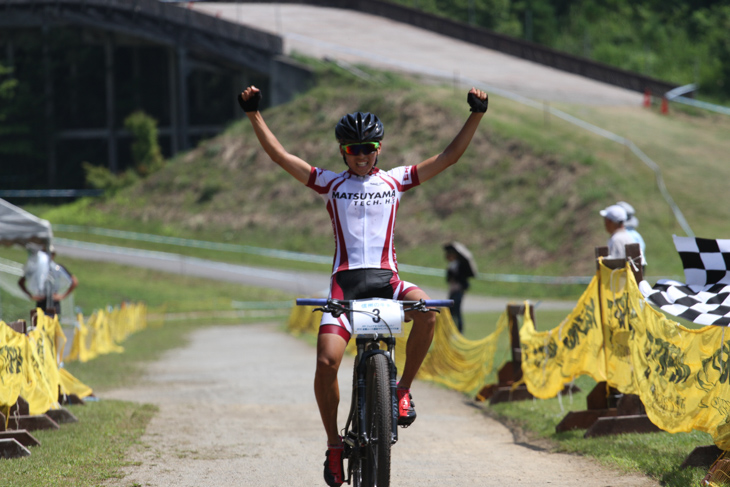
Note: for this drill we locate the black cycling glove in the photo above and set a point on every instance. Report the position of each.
(477, 104)
(250, 105)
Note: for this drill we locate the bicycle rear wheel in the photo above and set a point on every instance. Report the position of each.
(378, 421)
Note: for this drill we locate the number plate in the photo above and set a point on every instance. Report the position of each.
(374, 314)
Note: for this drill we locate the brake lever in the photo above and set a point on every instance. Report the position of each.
(335, 312)
(421, 306)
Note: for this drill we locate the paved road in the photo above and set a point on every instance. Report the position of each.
(356, 37)
(295, 282)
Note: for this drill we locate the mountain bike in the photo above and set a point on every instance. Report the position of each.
(372, 424)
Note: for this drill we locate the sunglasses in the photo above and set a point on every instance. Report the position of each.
(365, 147)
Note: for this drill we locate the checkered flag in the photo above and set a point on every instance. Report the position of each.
(705, 297)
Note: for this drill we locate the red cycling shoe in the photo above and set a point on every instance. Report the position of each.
(333, 469)
(406, 408)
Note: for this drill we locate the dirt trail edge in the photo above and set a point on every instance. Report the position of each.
(237, 409)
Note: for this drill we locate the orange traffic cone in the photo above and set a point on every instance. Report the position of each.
(665, 105)
(647, 98)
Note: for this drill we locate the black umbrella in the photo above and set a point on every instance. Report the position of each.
(464, 254)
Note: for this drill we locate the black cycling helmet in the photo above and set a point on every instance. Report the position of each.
(359, 127)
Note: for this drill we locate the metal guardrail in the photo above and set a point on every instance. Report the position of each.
(677, 94)
(702, 104)
(280, 254)
(49, 193)
(11, 267)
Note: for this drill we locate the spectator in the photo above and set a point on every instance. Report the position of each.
(46, 280)
(458, 273)
(631, 224)
(614, 218)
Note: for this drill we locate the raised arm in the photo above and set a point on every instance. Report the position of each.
(249, 101)
(478, 100)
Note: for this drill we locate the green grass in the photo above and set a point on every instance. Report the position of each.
(84, 453)
(657, 455)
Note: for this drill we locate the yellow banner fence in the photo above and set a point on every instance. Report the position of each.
(30, 364)
(682, 375)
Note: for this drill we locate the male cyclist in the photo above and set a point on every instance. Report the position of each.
(362, 202)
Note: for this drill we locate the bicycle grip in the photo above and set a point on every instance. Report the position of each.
(439, 303)
(311, 302)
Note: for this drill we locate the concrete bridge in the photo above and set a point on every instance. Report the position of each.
(93, 62)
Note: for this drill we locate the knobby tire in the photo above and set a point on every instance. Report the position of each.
(378, 421)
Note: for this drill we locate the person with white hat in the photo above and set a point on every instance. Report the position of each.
(631, 223)
(614, 219)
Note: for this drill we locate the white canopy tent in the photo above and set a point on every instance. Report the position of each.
(17, 226)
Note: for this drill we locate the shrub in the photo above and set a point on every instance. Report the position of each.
(146, 153)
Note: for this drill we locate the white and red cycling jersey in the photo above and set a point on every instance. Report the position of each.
(363, 211)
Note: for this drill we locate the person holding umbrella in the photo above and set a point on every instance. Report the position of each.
(461, 267)
(45, 281)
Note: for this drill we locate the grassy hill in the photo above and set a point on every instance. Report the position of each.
(525, 197)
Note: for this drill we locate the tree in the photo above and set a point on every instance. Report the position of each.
(146, 156)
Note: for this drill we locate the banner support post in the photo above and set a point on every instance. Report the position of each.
(511, 372)
(608, 411)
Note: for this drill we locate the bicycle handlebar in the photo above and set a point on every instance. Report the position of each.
(431, 303)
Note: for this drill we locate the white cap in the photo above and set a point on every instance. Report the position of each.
(615, 213)
(631, 221)
(629, 209)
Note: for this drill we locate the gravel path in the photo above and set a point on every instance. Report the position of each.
(237, 409)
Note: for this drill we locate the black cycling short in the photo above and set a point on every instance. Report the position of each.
(362, 284)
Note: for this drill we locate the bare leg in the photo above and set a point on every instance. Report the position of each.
(419, 340)
(330, 350)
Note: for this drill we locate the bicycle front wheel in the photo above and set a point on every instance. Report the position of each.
(378, 422)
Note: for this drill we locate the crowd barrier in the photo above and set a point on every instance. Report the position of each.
(104, 330)
(29, 365)
(33, 383)
(681, 375)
